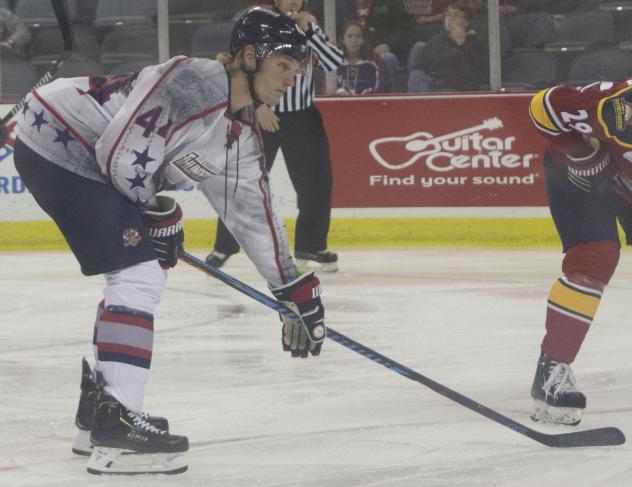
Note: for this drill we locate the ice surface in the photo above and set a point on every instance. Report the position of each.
(469, 319)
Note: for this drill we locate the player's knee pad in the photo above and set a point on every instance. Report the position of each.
(591, 263)
(137, 287)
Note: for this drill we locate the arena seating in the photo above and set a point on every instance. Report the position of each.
(46, 41)
(530, 69)
(600, 64)
(594, 42)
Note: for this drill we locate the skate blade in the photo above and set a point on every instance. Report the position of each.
(115, 461)
(82, 444)
(311, 265)
(541, 412)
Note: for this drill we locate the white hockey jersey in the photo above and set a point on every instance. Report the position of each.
(163, 128)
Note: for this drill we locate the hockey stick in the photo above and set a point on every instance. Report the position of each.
(594, 437)
(63, 18)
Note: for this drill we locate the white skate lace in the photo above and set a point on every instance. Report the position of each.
(561, 380)
(140, 420)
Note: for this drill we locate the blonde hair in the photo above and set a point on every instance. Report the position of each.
(232, 64)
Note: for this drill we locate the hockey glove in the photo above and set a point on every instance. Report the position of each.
(623, 186)
(303, 297)
(594, 172)
(164, 227)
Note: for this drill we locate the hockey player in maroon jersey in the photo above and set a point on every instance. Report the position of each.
(96, 151)
(588, 170)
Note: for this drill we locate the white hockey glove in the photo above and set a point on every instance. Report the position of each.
(164, 226)
(302, 296)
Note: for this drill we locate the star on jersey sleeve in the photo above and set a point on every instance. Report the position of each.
(132, 147)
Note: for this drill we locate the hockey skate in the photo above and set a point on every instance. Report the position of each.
(323, 260)
(127, 444)
(85, 412)
(555, 395)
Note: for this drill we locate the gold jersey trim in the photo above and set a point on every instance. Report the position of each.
(540, 115)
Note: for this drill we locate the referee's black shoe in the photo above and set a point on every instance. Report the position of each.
(217, 258)
(323, 260)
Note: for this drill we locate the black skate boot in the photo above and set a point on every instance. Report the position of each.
(85, 412)
(555, 395)
(323, 260)
(126, 443)
(217, 258)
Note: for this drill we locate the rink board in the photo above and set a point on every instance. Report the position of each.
(407, 172)
(344, 232)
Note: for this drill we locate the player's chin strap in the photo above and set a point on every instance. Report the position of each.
(250, 76)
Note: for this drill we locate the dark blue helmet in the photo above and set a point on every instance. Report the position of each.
(270, 32)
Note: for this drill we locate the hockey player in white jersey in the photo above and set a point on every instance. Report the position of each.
(96, 151)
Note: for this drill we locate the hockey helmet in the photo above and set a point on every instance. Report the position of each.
(269, 32)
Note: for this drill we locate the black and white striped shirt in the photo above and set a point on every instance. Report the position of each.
(301, 95)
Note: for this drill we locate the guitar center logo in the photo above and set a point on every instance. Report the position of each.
(450, 156)
(450, 152)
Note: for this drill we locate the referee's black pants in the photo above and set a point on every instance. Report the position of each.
(303, 141)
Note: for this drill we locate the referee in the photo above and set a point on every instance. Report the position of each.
(296, 127)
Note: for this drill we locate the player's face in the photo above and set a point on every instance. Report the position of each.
(275, 76)
(289, 6)
(353, 39)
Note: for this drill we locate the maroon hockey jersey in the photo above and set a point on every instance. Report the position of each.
(566, 115)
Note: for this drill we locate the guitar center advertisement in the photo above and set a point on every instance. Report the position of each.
(434, 151)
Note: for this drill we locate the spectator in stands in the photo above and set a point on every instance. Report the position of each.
(389, 26)
(478, 20)
(396, 26)
(428, 17)
(399, 23)
(15, 37)
(389, 30)
(361, 71)
(457, 58)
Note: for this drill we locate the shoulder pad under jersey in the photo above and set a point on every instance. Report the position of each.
(543, 112)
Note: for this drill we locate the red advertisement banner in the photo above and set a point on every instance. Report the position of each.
(446, 150)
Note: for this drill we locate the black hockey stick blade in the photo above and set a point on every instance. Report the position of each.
(595, 437)
(63, 19)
